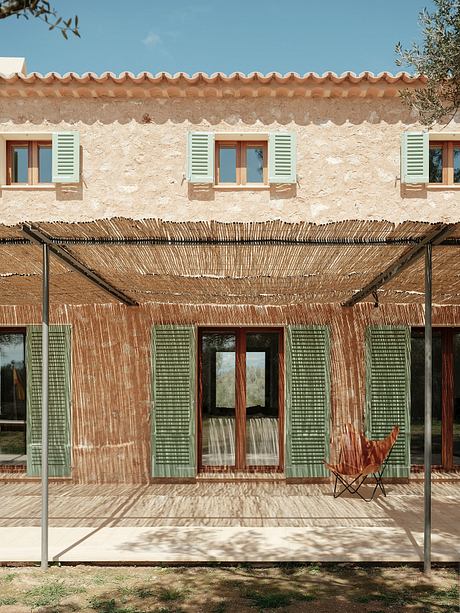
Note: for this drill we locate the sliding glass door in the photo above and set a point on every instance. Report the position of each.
(241, 399)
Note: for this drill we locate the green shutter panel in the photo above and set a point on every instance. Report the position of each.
(59, 400)
(282, 164)
(388, 391)
(66, 157)
(414, 157)
(307, 401)
(200, 157)
(173, 411)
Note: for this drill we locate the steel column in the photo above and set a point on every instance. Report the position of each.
(45, 364)
(428, 409)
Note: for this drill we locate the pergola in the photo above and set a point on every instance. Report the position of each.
(263, 263)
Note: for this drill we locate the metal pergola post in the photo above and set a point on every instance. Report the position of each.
(428, 409)
(45, 363)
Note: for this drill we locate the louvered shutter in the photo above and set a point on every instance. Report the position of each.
(59, 401)
(200, 157)
(414, 157)
(307, 401)
(66, 157)
(388, 391)
(282, 157)
(173, 411)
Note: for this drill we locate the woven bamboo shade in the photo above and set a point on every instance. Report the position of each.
(192, 264)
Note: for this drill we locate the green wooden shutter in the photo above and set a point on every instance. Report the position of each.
(66, 157)
(414, 157)
(282, 157)
(388, 391)
(59, 400)
(173, 410)
(307, 401)
(200, 157)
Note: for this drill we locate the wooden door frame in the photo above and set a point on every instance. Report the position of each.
(240, 399)
(447, 395)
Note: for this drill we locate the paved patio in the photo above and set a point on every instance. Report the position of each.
(226, 522)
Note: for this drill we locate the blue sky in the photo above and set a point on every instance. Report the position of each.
(219, 35)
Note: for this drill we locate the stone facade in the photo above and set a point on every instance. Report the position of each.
(134, 160)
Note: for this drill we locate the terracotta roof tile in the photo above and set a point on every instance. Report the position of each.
(165, 84)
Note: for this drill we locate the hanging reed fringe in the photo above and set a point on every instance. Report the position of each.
(111, 367)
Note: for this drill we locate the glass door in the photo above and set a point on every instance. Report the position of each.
(241, 399)
(262, 399)
(446, 398)
(12, 398)
(218, 407)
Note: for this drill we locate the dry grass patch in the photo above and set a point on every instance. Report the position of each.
(244, 589)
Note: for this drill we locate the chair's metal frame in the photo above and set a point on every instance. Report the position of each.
(348, 486)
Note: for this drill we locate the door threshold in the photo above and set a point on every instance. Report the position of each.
(241, 476)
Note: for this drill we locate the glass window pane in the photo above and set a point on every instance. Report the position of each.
(262, 380)
(457, 399)
(218, 399)
(418, 397)
(20, 163)
(435, 164)
(456, 164)
(44, 164)
(12, 399)
(255, 164)
(227, 165)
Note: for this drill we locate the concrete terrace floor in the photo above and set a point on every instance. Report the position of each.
(227, 522)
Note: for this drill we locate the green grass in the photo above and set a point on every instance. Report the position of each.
(170, 594)
(8, 600)
(48, 594)
(8, 578)
(102, 605)
(221, 607)
(274, 599)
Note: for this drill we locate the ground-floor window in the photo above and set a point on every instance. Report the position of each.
(446, 397)
(240, 399)
(12, 397)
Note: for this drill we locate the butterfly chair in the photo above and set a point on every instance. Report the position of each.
(359, 459)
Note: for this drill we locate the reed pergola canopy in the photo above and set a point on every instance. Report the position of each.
(264, 263)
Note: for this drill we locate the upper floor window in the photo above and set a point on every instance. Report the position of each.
(241, 160)
(444, 162)
(241, 163)
(29, 162)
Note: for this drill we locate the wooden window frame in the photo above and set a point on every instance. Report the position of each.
(33, 174)
(447, 160)
(241, 162)
(240, 402)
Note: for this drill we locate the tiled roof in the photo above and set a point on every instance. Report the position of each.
(234, 77)
(164, 84)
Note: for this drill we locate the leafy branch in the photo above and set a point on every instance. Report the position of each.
(439, 60)
(43, 10)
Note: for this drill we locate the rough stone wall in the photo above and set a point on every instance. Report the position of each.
(111, 369)
(134, 159)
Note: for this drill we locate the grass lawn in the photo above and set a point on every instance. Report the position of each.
(242, 589)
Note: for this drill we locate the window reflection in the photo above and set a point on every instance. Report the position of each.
(456, 425)
(262, 379)
(20, 166)
(255, 164)
(218, 380)
(44, 164)
(227, 165)
(12, 399)
(456, 164)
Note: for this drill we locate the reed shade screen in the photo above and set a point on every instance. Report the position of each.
(190, 272)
